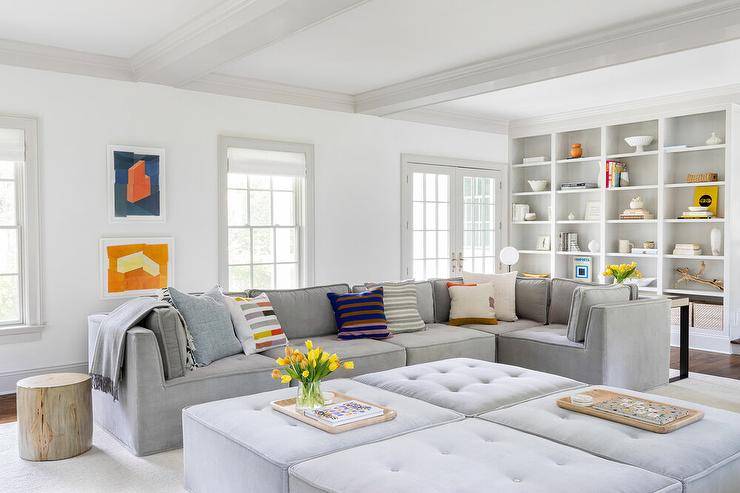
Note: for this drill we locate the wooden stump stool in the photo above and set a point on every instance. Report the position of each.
(54, 416)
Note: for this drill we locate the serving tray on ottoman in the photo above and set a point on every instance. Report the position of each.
(630, 410)
(287, 406)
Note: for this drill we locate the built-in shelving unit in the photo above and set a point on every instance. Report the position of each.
(658, 174)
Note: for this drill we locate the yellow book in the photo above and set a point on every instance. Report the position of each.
(707, 197)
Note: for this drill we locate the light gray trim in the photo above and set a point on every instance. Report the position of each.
(8, 379)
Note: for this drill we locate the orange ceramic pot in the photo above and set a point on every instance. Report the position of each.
(576, 151)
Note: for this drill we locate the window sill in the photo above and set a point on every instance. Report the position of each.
(12, 330)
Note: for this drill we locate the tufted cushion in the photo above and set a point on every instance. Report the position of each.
(704, 455)
(471, 456)
(249, 446)
(469, 386)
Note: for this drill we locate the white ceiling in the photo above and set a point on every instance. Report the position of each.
(387, 41)
(106, 27)
(701, 68)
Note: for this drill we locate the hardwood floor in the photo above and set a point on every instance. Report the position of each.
(721, 365)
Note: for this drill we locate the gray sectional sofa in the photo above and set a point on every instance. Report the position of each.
(626, 345)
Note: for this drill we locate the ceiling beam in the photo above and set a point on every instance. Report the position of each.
(700, 25)
(234, 29)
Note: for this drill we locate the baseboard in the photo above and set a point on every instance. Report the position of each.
(8, 379)
(704, 342)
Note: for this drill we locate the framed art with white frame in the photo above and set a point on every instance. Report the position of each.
(136, 184)
(592, 211)
(132, 267)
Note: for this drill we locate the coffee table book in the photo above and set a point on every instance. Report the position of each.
(287, 406)
(601, 395)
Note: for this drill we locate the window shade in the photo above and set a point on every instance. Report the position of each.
(12, 147)
(259, 162)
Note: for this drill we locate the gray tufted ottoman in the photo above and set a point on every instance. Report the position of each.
(243, 445)
(469, 386)
(704, 456)
(471, 456)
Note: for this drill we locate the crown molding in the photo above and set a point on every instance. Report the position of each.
(706, 23)
(646, 108)
(271, 91)
(452, 119)
(43, 57)
(231, 30)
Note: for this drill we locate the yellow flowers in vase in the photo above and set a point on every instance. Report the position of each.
(621, 272)
(308, 370)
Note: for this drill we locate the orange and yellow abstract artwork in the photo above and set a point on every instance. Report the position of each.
(137, 266)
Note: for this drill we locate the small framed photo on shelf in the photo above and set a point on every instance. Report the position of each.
(543, 243)
(582, 268)
(592, 211)
(518, 212)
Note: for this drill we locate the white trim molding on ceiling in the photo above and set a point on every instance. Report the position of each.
(190, 58)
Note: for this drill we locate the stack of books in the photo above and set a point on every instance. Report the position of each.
(645, 251)
(575, 185)
(687, 249)
(568, 242)
(636, 214)
(695, 213)
(345, 412)
(615, 171)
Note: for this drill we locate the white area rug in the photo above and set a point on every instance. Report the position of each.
(108, 467)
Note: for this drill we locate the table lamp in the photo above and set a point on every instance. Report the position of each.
(509, 256)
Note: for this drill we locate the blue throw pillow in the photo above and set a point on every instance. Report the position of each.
(209, 322)
(360, 315)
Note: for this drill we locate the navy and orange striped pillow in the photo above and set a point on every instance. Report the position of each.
(360, 315)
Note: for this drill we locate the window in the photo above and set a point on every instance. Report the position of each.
(20, 289)
(267, 212)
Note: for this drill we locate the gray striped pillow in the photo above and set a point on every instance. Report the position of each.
(401, 309)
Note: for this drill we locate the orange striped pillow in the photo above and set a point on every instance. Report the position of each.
(256, 325)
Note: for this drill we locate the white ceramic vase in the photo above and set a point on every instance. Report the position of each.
(715, 241)
(593, 246)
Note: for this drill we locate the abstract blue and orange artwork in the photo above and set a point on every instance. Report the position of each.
(136, 183)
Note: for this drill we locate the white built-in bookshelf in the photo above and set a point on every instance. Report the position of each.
(657, 174)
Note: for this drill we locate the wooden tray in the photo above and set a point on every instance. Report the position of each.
(601, 395)
(287, 406)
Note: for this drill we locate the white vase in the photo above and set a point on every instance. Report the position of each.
(636, 203)
(715, 240)
(593, 246)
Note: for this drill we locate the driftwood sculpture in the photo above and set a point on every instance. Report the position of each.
(686, 276)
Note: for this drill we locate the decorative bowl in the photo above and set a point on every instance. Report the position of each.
(642, 282)
(639, 141)
(538, 185)
(530, 216)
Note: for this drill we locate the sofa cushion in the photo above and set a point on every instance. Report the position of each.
(424, 299)
(209, 324)
(243, 445)
(556, 334)
(561, 295)
(360, 315)
(171, 339)
(471, 456)
(469, 386)
(584, 297)
(532, 298)
(504, 327)
(401, 306)
(304, 312)
(368, 355)
(704, 455)
(445, 341)
(504, 292)
(442, 298)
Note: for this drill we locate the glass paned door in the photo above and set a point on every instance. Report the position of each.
(452, 220)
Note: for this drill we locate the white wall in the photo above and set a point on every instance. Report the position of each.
(357, 187)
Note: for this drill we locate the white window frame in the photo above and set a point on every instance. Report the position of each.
(409, 161)
(28, 211)
(304, 199)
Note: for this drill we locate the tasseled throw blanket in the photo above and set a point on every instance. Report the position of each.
(110, 346)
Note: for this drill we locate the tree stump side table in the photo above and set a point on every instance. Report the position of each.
(54, 416)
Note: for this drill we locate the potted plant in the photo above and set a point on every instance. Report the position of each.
(621, 272)
(308, 370)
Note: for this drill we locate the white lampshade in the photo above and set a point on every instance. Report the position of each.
(509, 255)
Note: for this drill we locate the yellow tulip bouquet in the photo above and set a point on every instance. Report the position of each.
(622, 271)
(308, 370)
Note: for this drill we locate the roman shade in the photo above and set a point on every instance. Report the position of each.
(261, 162)
(12, 147)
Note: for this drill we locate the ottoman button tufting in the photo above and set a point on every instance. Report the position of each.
(517, 480)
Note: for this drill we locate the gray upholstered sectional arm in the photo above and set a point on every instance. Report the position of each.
(634, 341)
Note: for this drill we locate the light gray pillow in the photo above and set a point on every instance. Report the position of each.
(532, 297)
(209, 323)
(585, 297)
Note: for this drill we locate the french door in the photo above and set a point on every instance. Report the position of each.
(451, 220)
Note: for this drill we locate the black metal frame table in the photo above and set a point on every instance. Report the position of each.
(683, 344)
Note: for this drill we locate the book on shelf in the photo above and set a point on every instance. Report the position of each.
(345, 412)
(696, 215)
(575, 185)
(568, 242)
(645, 251)
(536, 159)
(616, 174)
(688, 249)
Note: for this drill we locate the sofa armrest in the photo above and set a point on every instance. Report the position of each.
(143, 362)
(634, 339)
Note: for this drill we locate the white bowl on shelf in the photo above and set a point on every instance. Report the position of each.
(642, 282)
(639, 141)
(538, 185)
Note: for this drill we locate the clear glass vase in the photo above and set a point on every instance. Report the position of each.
(309, 396)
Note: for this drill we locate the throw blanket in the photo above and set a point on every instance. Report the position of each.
(110, 346)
